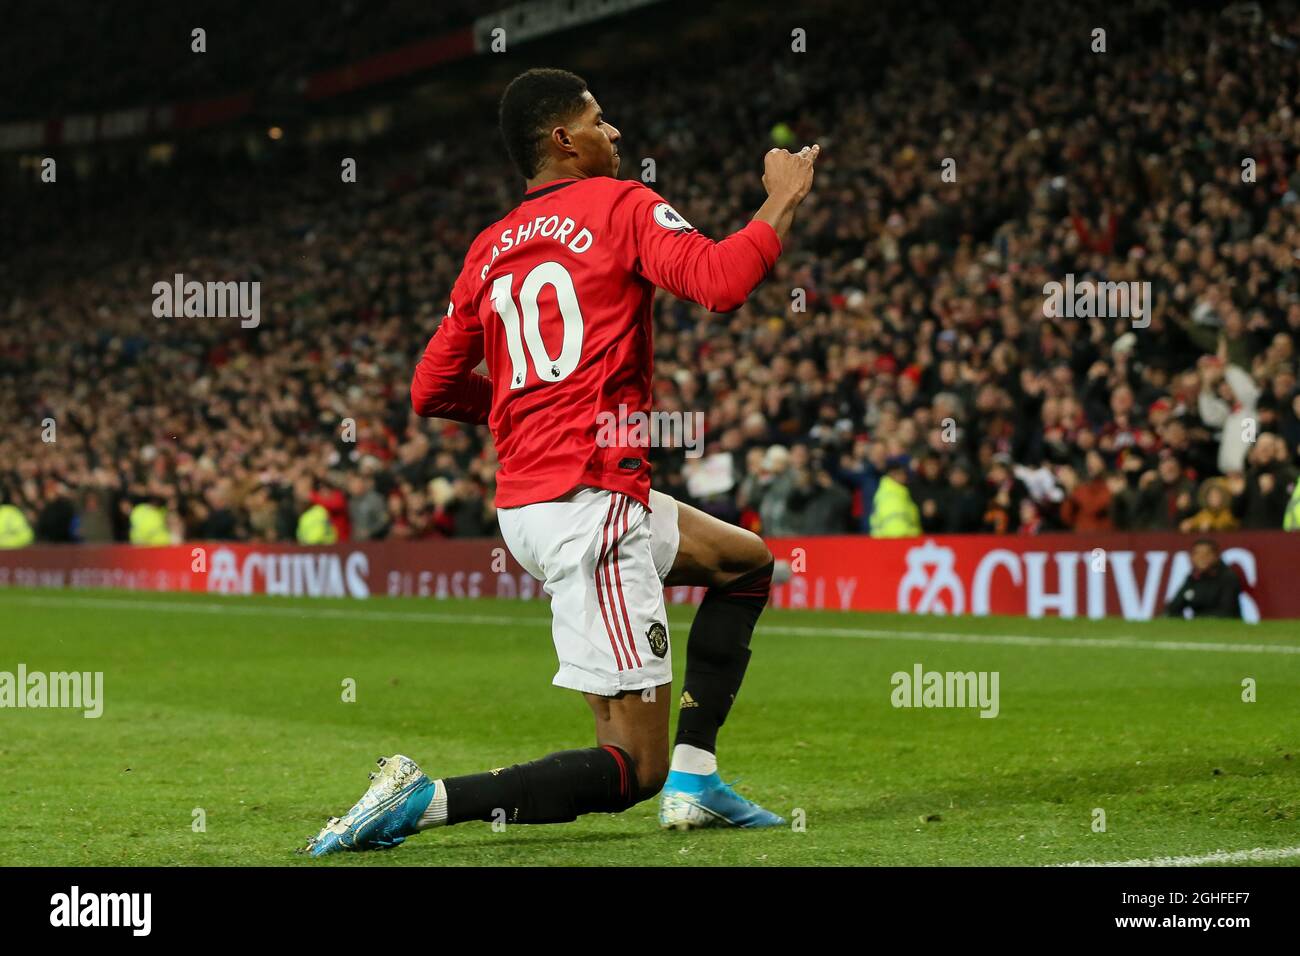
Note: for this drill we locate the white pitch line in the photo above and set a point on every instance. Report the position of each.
(441, 617)
(1205, 859)
(1029, 640)
(364, 614)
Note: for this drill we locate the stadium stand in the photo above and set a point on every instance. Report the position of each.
(918, 344)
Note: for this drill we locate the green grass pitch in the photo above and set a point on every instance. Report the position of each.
(234, 706)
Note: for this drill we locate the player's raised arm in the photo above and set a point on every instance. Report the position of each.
(667, 250)
(445, 383)
(787, 177)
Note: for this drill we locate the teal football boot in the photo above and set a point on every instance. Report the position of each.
(693, 801)
(385, 815)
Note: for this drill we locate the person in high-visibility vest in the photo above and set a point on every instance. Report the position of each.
(148, 524)
(15, 530)
(1291, 519)
(315, 527)
(893, 512)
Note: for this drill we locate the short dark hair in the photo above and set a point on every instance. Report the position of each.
(1209, 542)
(532, 105)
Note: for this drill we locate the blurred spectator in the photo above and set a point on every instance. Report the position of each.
(366, 510)
(1163, 499)
(1260, 496)
(1291, 522)
(469, 511)
(1227, 402)
(149, 523)
(963, 506)
(315, 526)
(219, 522)
(817, 504)
(1031, 519)
(58, 516)
(1002, 507)
(15, 532)
(1216, 512)
(775, 484)
(929, 490)
(1088, 505)
(328, 496)
(894, 514)
(1211, 588)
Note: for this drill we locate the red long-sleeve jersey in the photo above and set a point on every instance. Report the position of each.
(557, 297)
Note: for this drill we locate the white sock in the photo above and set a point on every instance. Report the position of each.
(690, 759)
(435, 814)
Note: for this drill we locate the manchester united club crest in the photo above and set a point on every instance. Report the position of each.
(657, 638)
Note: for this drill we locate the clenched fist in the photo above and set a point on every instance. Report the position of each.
(788, 175)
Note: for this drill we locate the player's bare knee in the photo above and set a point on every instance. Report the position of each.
(746, 554)
(761, 554)
(649, 768)
(650, 777)
(748, 590)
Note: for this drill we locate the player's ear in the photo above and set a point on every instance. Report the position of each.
(563, 141)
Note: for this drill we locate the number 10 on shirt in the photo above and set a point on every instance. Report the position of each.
(547, 369)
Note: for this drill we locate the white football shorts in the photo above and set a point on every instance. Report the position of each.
(602, 557)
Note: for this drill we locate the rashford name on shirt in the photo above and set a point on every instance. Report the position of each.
(553, 227)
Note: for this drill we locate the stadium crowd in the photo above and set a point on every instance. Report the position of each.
(896, 374)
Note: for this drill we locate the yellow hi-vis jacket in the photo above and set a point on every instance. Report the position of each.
(149, 525)
(15, 532)
(315, 527)
(893, 512)
(1291, 520)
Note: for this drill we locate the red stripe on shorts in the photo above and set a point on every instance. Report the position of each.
(612, 552)
(600, 594)
(627, 504)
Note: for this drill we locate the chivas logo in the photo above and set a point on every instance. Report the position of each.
(931, 569)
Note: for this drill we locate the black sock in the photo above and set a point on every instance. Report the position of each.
(555, 789)
(717, 653)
